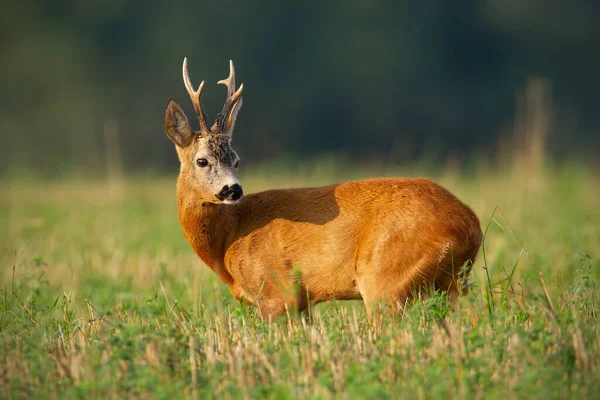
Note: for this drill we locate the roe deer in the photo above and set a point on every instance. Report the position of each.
(379, 240)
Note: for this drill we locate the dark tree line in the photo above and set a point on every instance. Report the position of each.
(389, 79)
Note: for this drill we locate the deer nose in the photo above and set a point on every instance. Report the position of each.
(236, 192)
(233, 192)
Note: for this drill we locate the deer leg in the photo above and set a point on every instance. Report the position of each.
(391, 292)
(379, 298)
(454, 287)
(453, 280)
(270, 309)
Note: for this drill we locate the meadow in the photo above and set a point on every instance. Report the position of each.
(102, 297)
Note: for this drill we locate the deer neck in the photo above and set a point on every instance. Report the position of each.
(207, 227)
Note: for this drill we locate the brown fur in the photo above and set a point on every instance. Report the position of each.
(380, 240)
(377, 239)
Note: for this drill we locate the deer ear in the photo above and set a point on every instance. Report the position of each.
(177, 126)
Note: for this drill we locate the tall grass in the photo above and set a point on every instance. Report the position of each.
(102, 297)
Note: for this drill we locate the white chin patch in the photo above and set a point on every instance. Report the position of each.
(229, 201)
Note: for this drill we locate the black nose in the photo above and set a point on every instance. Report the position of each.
(233, 192)
(236, 192)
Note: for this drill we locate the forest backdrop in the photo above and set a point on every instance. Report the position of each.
(388, 80)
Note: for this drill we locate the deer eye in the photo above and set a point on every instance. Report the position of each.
(237, 164)
(202, 162)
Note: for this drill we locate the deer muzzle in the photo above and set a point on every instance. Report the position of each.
(232, 193)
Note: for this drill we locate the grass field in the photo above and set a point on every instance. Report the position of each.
(101, 296)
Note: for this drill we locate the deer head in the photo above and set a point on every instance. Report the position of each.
(208, 162)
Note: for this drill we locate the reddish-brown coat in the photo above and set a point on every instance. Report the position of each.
(375, 239)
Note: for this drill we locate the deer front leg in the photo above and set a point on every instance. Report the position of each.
(268, 308)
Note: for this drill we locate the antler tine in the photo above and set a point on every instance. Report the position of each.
(196, 96)
(230, 81)
(233, 102)
(238, 93)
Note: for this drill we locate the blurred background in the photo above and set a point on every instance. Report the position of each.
(84, 83)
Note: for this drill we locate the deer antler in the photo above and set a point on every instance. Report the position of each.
(233, 102)
(230, 83)
(196, 96)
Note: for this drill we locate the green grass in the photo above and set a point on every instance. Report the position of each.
(101, 296)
